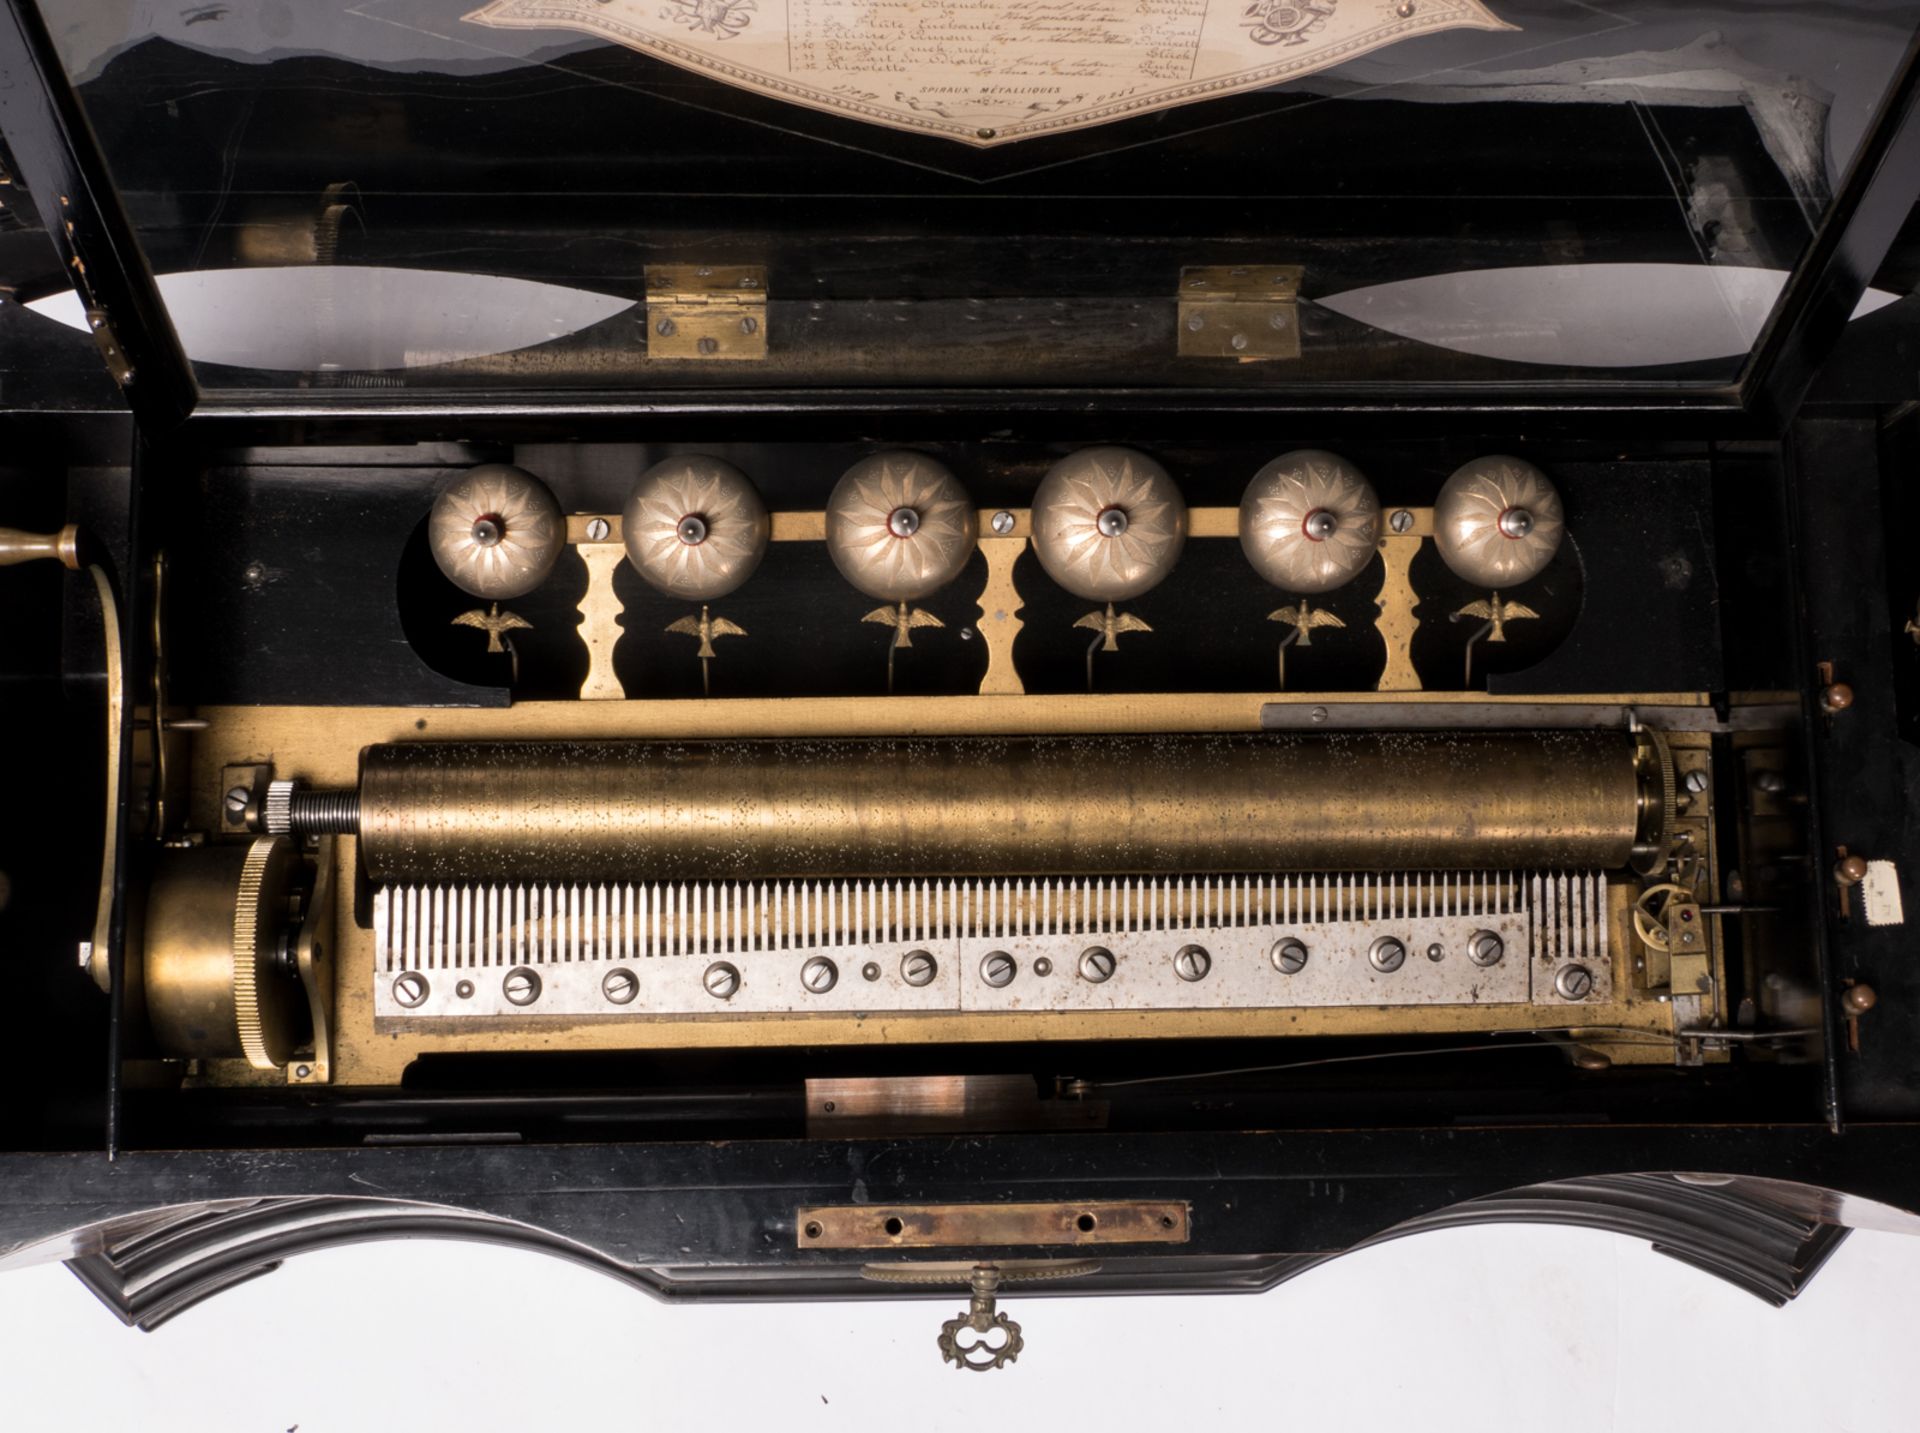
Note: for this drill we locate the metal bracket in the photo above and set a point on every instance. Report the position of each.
(108, 343)
(1246, 312)
(706, 311)
(313, 961)
(243, 798)
(999, 1226)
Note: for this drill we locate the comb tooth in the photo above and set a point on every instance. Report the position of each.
(1597, 919)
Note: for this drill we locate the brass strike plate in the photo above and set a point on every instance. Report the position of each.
(1247, 312)
(707, 312)
(997, 1226)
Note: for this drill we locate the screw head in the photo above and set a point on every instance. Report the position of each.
(998, 968)
(1112, 522)
(1192, 962)
(620, 986)
(819, 975)
(1436, 952)
(1387, 954)
(1289, 955)
(721, 979)
(749, 326)
(236, 801)
(666, 328)
(410, 988)
(1770, 782)
(1320, 525)
(1836, 698)
(708, 347)
(1002, 523)
(903, 522)
(1401, 521)
(918, 967)
(1850, 870)
(521, 987)
(1097, 965)
(1574, 982)
(1694, 782)
(1515, 523)
(1238, 342)
(870, 971)
(692, 530)
(1484, 947)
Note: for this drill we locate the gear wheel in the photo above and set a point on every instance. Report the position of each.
(265, 1003)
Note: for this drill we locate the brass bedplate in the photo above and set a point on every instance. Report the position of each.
(354, 888)
(323, 745)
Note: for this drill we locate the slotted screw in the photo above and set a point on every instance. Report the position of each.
(1191, 962)
(1387, 954)
(819, 975)
(521, 987)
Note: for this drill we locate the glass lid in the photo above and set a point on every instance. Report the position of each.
(1258, 195)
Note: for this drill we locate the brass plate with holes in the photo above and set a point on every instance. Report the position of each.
(991, 1226)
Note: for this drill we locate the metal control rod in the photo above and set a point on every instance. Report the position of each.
(674, 810)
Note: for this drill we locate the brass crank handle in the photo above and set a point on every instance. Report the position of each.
(65, 547)
(69, 548)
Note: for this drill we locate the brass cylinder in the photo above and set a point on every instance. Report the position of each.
(633, 810)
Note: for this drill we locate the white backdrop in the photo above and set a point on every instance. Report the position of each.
(1494, 1329)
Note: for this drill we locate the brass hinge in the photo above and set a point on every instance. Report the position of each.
(108, 343)
(706, 311)
(1245, 311)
